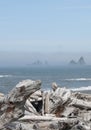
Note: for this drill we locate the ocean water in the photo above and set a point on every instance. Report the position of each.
(75, 78)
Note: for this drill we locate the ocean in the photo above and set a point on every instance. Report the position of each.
(77, 78)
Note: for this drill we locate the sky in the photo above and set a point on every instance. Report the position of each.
(54, 29)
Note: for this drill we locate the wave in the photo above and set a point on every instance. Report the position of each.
(79, 79)
(5, 76)
(82, 88)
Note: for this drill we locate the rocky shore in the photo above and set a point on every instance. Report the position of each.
(28, 107)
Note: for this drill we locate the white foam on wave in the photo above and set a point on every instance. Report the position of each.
(2, 76)
(82, 88)
(79, 79)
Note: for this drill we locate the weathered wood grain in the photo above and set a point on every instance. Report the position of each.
(12, 106)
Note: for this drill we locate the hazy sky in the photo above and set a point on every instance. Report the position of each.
(50, 26)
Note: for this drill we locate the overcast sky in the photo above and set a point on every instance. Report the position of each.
(45, 26)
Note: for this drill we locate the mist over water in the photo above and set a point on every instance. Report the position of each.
(28, 59)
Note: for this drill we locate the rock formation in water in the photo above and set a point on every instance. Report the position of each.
(81, 61)
(37, 63)
(72, 62)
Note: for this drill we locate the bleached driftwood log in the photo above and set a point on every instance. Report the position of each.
(55, 104)
(70, 112)
(52, 123)
(13, 104)
(63, 93)
(19, 126)
(81, 103)
(36, 96)
(47, 118)
(43, 102)
(58, 100)
(82, 96)
(30, 108)
(47, 95)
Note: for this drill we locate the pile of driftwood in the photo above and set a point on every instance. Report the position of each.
(27, 107)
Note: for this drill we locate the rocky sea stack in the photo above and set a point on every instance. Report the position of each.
(81, 61)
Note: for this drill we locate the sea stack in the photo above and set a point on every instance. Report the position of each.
(81, 61)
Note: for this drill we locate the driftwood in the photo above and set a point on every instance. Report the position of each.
(55, 103)
(47, 103)
(82, 96)
(18, 126)
(43, 98)
(47, 118)
(63, 93)
(70, 112)
(36, 96)
(13, 104)
(30, 108)
(81, 103)
(27, 107)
